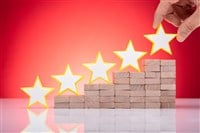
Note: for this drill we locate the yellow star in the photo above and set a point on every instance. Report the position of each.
(160, 40)
(130, 57)
(37, 93)
(68, 81)
(99, 69)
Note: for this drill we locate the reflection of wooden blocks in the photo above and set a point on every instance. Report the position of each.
(152, 74)
(122, 99)
(125, 105)
(121, 80)
(152, 87)
(91, 93)
(152, 105)
(152, 99)
(122, 87)
(154, 68)
(137, 93)
(92, 102)
(136, 81)
(137, 87)
(167, 99)
(138, 105)
(106, 86)
(75, 105)
(91, 87)
(168, 68)
(152, 93)
(168, 105)
(107, 99)
(137, 99)
(152, 80)
(168, 93)
(168, 74)
(77, 99)
(137, 75)
(61, 99)
(122, 93)
(168, 62)
(168, 87)
(110, 92)
(152, 62)
(121, 74)
(110, 105)
(61, 105)
(168, 81)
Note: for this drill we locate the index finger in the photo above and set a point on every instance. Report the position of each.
(161, 11)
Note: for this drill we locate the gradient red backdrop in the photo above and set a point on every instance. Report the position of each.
(40, 37)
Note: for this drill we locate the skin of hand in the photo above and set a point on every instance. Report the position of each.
(185, 27)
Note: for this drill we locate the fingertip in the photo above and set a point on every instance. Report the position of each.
(180, 38)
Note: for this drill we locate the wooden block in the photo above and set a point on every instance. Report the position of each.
(152, 80)
(137, 87)
(168, 74)
(137, 93)
(152, 74)
(153, 93)
(168, 81)
(110, 92)
(110, 105)
(107, 99)
(168, 62)
(94, 99)
(77, 99)
(122, 99)
(121, 80)
(152, 62)
(152, 99)
(137, 75)
(135, 81)
(91, 93)
(152, 87)
(106, 86)
(155, 68)
(138, 105)
(76, 105)
(168, 105)
(168, 68)
(92, 102)
(61, 99)
(122, 87)
(167, 99)
(137, 99)
(121, 75)
(91, 87)
(125, 105)
(61, 105)
(152, 105)
(168, 87)
(168, 93)
(122, 93)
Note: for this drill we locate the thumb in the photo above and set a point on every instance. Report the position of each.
(189, 25)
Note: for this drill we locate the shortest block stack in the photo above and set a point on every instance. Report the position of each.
(153, 88)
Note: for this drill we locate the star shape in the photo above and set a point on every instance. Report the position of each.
(37, 123)
(37, 93)
(130, 57)
(68, 81)
(99, 69)
(160, 40)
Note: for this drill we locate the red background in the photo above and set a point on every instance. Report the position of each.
(40, 37)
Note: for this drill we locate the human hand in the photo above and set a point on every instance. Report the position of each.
(169, 10)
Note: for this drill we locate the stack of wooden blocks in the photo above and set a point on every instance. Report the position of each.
(153, 88)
